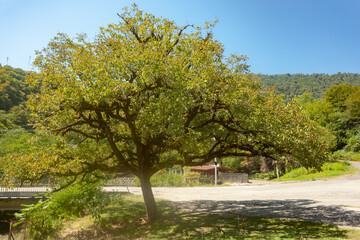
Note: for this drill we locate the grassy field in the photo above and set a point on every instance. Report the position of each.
(124, 219)
(328, 170)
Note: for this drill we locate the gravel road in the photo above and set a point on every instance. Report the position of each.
(335, 201)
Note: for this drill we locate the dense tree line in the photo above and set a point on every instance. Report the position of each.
(292, 85)
(13, 94)
(339, 112)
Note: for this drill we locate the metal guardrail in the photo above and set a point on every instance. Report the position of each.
(23, 192)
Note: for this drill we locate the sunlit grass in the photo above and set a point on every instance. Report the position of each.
(328, 170)
(346, 155)
(124, 219)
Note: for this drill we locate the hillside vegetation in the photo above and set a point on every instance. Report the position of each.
(293, 85)
(13, 93)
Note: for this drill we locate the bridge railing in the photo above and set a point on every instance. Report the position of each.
(22, 192)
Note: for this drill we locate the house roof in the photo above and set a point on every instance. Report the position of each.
(208, 168)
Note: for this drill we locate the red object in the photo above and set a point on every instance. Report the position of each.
(210, 170)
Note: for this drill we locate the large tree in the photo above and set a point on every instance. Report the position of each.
(146, 94)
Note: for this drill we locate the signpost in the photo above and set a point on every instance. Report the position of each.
(215, 162)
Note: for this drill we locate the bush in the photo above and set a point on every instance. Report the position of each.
(44, 219)
(38, 223)
(167, 179)
(78, 199)
(335, 166)
(346, 155)
(329, 169)
(298, 172)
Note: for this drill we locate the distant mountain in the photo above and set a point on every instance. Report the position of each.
(292, 85)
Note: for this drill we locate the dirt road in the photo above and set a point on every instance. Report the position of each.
(334, 201)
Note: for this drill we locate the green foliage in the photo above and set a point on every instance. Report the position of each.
(355, 144)
(5, 121)
(165, 178)
(44, 219)
(20, 116)
(13, 94)
(352, 104)
(338, 112)
(337, 95)
(318, 110)
(114, 89)
(15, 141)
(77, 200)
(327, 170)
(294, 85)
(346, 155)
(242, 164)
(13, 88)
(17, 117)
(37, 223)
(146, 94)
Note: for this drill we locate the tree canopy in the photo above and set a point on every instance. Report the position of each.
(146, 94)
(338, 112)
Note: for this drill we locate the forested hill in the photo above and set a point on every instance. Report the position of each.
(14, 92)
(292, 85)
(13, 88)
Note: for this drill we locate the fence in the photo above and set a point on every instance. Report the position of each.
(123, 181)
(23, 192)
(234, 177)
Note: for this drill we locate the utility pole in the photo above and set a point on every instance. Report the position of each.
(215, 163)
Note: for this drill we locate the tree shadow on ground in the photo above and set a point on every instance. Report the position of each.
(227, 220)
(223, 220)
(302, 209)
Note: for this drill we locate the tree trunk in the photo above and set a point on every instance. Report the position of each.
(150, 204)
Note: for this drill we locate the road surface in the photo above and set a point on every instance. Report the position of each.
(335, 201)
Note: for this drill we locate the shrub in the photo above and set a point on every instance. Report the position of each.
(164, 178)
(346, 155)
(44, 219)
(78, 199)
(37, 223)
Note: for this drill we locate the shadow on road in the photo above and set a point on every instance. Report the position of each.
(294, 209)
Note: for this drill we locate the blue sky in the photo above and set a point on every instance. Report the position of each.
(279, 36)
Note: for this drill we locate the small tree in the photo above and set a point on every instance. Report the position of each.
(147, 94)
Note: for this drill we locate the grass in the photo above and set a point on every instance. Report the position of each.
(125, 220)
(346, 155)
(328, 170)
